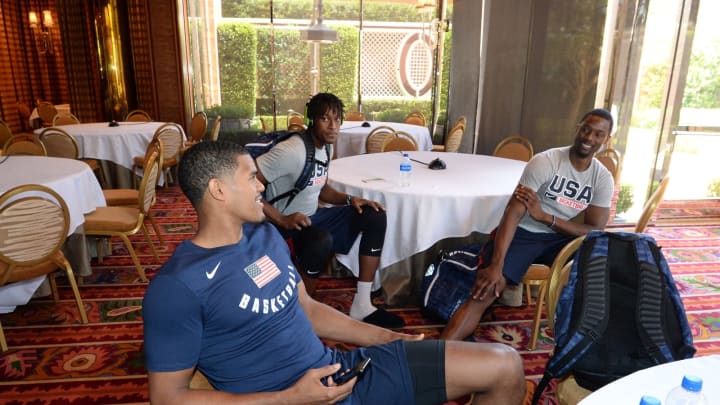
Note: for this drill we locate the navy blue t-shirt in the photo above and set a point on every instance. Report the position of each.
(234, 312)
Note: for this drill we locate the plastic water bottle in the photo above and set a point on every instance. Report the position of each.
(405, 170)
(649, 400)
(688, 393)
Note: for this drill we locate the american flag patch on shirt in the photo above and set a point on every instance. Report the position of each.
(262, 271)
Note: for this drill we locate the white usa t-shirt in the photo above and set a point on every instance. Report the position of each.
(562, 190)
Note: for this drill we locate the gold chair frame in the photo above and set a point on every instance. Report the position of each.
(514, 147)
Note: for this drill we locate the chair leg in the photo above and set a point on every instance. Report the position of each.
(134, 175)
(53, 287)
(538, 314)
(99, 249)
(156, 228)
(3, 342)
(76, 293)
(101, 177)
(152, 245)
(134, 258)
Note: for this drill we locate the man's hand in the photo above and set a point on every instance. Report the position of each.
(530, 200)
(358, 203)
(310, 389)
(296, 221)
(488, 280)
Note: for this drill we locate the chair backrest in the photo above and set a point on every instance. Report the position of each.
(354, 116)
(24, 112)
(265, 127)
(399, 140)
(514, 147)
(611, 159)
(34, 222)
(461, 120)
(138, 116)
(376, 138)
(651, 205)
(22, 144)
(198, 126)
(65, 118)
(46, 111)
(295, 118)
(5, 132)
(171, 136)
(454, 137)
(151, 172)
(215, 132)
(294, 127)
(415, 118)
(559, 271)
(58, 143)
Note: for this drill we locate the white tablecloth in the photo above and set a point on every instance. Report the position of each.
(75, 183)
(118, 144)
(659, 380)
(469, 196)
(352, 136)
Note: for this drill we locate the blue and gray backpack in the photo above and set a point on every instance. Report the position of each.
(620, 312)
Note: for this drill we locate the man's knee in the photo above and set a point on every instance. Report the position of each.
(313, 246)
(372, 221)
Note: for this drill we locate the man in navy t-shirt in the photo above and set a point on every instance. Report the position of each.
(230, 303)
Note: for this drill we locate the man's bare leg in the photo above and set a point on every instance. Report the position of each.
(492, 372)
(466, 318)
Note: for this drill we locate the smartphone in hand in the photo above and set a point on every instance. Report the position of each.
(344, 376)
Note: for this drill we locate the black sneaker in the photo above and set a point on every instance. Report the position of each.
(377, 293)
(384, 319)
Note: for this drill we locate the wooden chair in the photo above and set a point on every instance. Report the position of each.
(129, 197)
(215, 131)
(296, 128)
(22, 144)
(59, 143)
(5, 132)
(354, 116)
(610, 158)
(65, 118)
(376, 138)
(415, 118)
(399, 141)
(196, 131)
(539, 275)
(651, 205)
(171, 136)
(34, 222)
(567, 391)
(454, 137)
(514, 147)
(47, 112)
(295, 118)
(264, 125)
(24, 112)
(126, 221)
(138, 116)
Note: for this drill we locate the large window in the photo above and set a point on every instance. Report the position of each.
(248, 59)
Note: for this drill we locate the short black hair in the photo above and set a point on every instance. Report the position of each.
(321, 103)
(205, 161)
(602, 113)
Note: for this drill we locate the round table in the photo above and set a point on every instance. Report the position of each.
(77, 185)
(469, 196)
(658, 381)
(353, 135)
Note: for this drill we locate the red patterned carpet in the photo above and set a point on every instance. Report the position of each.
(54, 359)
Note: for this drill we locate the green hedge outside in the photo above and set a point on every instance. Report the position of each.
(237, 53)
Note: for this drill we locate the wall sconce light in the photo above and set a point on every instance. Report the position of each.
(42, 34)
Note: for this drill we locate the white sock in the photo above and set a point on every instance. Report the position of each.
(362, 305)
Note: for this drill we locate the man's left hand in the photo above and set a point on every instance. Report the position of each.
(358, 203)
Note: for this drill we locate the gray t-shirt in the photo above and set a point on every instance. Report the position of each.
(281, 166)
(562, 190)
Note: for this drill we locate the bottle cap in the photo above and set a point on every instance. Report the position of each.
(692, 383)
(405, 154)
(649, 400)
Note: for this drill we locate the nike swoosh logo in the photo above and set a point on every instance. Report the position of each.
(375, 250)
(211, 274)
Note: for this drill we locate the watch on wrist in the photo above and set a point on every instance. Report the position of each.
(348, 200)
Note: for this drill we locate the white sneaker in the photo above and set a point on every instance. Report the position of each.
(512, 295)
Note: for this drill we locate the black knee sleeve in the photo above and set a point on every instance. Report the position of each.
(313, 246)
(372, 224)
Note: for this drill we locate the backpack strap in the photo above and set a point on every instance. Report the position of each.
(590, 283)
(307, 171)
